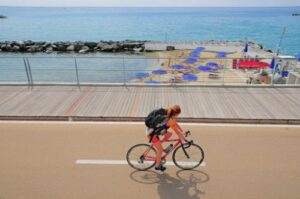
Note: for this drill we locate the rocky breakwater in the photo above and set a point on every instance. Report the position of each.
(77, 46)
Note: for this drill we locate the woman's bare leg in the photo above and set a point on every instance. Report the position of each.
(159, 153)
(167, 135)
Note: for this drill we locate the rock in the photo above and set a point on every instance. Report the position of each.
(170, 48)
(40, 43)
(110, 48)
(54, 47)
(46, 45)
(49, 50)
(138, 49)
(110, 42)
(77, 46)
(15, 48)
(71, 48)
(8, 48)
(3, 47)
(131, 46)
(91, 45)
(84, 49)
(58, 43)
(61, 48)
(22, 48)
(32, 49)
(28, 43)
(100, 45)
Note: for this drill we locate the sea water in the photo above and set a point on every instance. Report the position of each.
(262, 25)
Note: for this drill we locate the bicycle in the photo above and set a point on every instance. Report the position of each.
(143, 156)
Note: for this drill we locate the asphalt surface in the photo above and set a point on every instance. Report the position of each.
(38, 160)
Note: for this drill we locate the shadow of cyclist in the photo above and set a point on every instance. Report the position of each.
(186, 184)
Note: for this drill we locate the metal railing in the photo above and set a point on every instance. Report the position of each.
(123, 70)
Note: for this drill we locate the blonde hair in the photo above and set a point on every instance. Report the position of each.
(174, 109)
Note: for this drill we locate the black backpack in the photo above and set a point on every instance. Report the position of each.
(156, 118)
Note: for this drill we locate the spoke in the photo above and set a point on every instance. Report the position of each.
(137, 152)
(194, 157)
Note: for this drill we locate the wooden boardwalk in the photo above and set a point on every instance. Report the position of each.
(199, 104)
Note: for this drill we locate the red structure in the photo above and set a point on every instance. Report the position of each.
(249, 63)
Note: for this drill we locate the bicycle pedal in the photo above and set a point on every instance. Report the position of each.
(163, 161)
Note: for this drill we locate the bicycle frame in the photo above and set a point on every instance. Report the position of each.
(151, 158)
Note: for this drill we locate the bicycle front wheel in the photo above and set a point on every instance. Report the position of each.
(141, 157)
(188, 158)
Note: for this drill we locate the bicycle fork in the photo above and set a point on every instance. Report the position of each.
(185, 153)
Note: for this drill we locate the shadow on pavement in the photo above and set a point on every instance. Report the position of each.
(186, 184)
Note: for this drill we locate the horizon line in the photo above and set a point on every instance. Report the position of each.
(74, 6)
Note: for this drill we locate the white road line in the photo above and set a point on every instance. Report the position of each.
(142, 123)
(124, 162)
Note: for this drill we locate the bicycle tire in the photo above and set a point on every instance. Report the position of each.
(134, 160)
(178, 153)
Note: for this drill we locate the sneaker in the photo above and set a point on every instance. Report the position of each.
(160, 167)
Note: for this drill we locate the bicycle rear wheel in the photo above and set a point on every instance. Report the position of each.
(141, 157)
(189, 157)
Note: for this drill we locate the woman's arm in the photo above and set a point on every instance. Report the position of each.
(179, 132)
(179, 127)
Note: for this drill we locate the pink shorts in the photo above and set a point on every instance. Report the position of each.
(155, 138)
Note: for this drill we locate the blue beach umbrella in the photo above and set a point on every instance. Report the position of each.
(193, 57)
(196, 51)
(272, 64)
(194, 54)
(204, 68)
(200, 48)
(152, 82)
(221, 54)
(190, 60)
(212, 63)
(141, 75)
(189, 77)
(178, 66)
(159, 72)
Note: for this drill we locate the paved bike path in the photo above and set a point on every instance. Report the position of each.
(38, 160)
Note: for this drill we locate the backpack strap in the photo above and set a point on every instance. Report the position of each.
(151, 137)
(156, 132)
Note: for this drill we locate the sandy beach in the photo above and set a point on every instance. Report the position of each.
(224, 73)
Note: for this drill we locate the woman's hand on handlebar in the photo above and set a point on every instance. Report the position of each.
(187, 133)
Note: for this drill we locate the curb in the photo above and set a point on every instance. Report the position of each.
(141, 119)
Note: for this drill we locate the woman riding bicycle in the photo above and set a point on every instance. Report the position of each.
(169, 121)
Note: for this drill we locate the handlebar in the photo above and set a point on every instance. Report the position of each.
(188, 143)
(187, 133)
